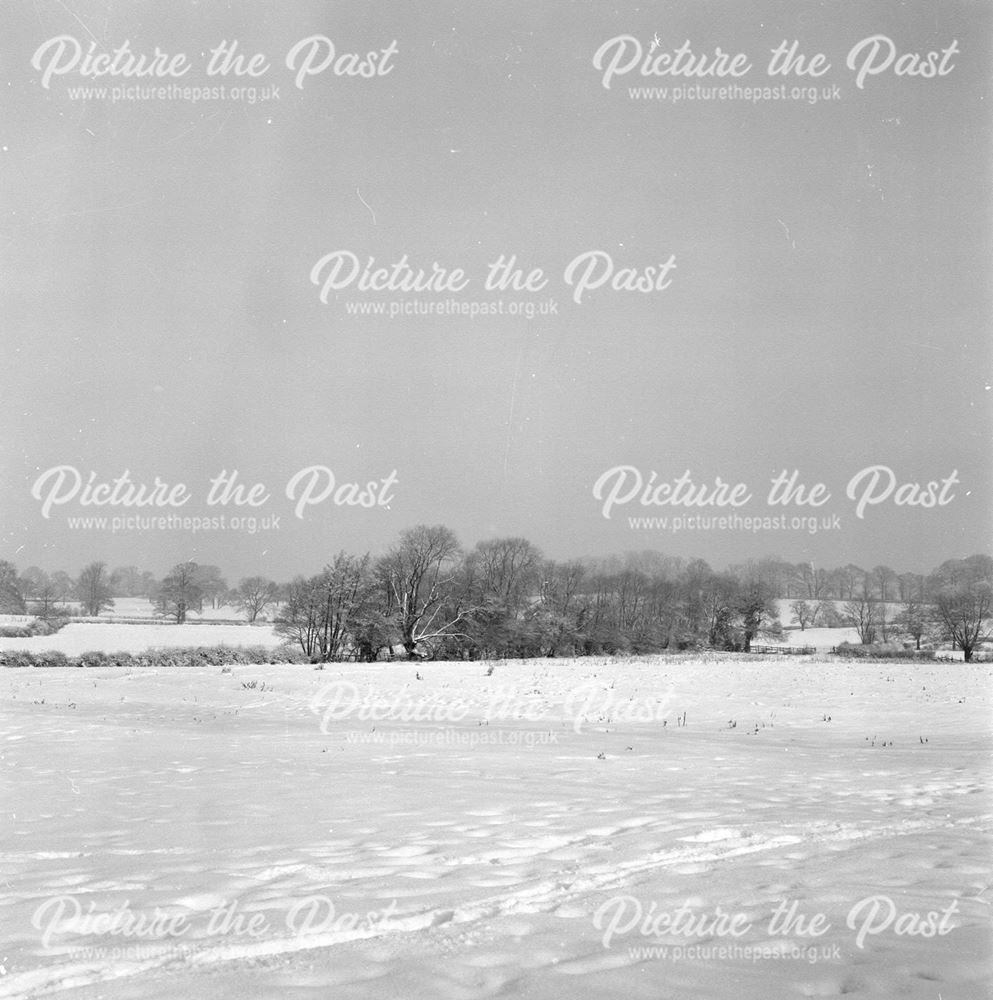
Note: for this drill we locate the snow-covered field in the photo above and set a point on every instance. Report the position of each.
(112, 637)
(820, 638)
(141, 607)
(358, 832)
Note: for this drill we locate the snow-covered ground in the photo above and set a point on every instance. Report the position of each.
(358, 832)
(820, 638)
(111, 637)
(141, 607)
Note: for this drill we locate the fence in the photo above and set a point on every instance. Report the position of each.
(784, 650)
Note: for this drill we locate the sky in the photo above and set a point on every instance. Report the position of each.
(818, 291)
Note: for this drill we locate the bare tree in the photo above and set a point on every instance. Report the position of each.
(852, 578)
(813, 582)
(179, 593)
(963, 615)
(913, 620)
(806, 613)
(30, 582)
(254, 595)
(130, 581)
(506, 568)
(884, 580)
(322, 614)
(956, 574)
(93, 589)
(63, 585)
(212, 585)
(41, 595)
(11, 599)
(718, 602)
(559, 613)
(418, 572)
(910, 587)
(862, 614)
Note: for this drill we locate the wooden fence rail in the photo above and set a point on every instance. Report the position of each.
(784, 650)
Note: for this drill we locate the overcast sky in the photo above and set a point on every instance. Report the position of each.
(828, 309)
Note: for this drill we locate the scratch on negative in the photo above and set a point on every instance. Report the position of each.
(76, 16)
(513, 404)
(786, 229)
(367, 205)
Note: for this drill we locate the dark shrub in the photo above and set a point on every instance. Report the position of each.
(18, 658)
(878, 651)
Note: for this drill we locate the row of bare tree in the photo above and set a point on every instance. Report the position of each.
(504, 599)
(429, 597)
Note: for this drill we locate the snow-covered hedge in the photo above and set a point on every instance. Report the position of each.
(180, 657)
(882, 651)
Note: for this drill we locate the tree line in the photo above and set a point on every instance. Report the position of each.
(428, 596)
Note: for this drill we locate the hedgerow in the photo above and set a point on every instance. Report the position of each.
(38, 626)
(876, 651)
(190, 656)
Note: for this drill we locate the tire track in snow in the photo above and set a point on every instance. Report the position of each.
(541, 895)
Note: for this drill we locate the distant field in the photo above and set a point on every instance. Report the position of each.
(84, 637)
(820, 638)
(141, 607)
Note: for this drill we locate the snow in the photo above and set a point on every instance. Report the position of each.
(493, 835)
(824, 639)
(110, 637)
(141, 607)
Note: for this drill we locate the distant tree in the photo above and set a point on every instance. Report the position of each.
(913, 620)
(31, 581)
(418, 573)
(253, 595)
(884, 626)
(755, 603)
(321, 614)
(63, 585)
(179, 593)
(884, 580)
(960, 574)
(836, 584)
(806, 613)
(632, 599)
(507, 568)
(963, 614)
(41, 596)
(93, 590)
(703, 605)
(774, 571)
(212, 584)
(130, 581)
(11, 599)
(300, 617)
(862, 614)
(560, 611)
(719, 595)
(910, 587)
(852, 581)
(829, 616)
(813, 583)
(372, 631)
(500, 580)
